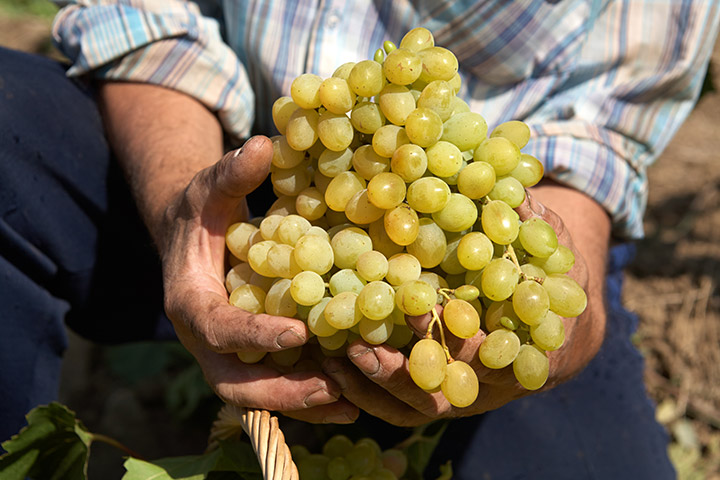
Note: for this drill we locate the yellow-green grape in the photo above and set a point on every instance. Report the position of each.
(423, 127)
(530, 302)
(444, 159)
(363, 458)
(305, 91)
(427, 364)
(415, 297)
(361, 211)
(251, 357)
(367, 117)
(379, 55)
(238, 239)
(460, 386)
(386, 190)
(460, 213)
(498, 314)
(310, 203)
(279, 301)
(314, 253)
(307, 288)
(438, 63)
(336, 95)
(499, 152)
(261, 281)
(331, 163)
(417, 39)
(376, 332)
(401, 224)
(428, 194)
(475, 251)
(238, 275)
(366, 78)
(508, 190)
(402, 268)
(343, 71)
(388, 46)
(529, 170)
(282, 110)
(283, 206)
(250, 298)
(316, 321)
(516, 131)
(381, 241)
(531, 270)
(369, 164)
(467, 293)
(335, 130)
(396, 102)
(346, 280)
(389, 138)
(376, 300)
(499, 222)
(291, 228)
(549, 334)
(450, 263)
(461, 318)
(301, 130)
(283, 155)
(338, 468)
(402, 66)
(348, 244)
(281, 260)
(396, 461)
(476, 180)
(287, 357)
(538, 238)
(455, 83)
(499, 349)
(437, 96)
(460, 106)
(567, 298)
(499, 279)
(341, 311)
(465, 130)
(318, 232)
(531, 367)
(337, 446)
(372, 265)
(401, 335)
(341, 189)
(430, 244)
(560, 261)
(291, 181)
(257, 258)
(334, 341)
(409, 161)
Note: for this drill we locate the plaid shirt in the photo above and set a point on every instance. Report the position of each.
(603, 84)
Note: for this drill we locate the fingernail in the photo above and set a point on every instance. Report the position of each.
(366, 361)
(319, 397)
(289, 338)
(339, 418)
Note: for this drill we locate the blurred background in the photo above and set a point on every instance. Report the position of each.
(152, 397)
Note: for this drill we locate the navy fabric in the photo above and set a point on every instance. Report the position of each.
(72, 250)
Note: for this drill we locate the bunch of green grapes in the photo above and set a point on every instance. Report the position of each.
(343, 459)
(392, 198)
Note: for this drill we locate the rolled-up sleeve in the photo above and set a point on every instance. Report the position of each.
(638, 77)
(163, 42)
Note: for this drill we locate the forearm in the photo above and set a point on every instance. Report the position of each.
(161, 138)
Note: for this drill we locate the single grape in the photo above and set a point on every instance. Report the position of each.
(238, 238)
(476, 180)
(499, 279)
(567, 298)
(386, 190)
(331, 163)
(460, 386)
(499, 152)
(409, 161)
(307, 288)
(430, 245)
(549, 334)
(314, 253)
(499, 222)
(401, 224)
(402, 267)
(530, 302)
(465, 130)
(282, 110)
(461, 318)
(369, 164)
(305, 90)
(428, 194)
(516, 131)
(509, 190)
(560, 261)
(316, 321)
(367, 117)
(376, 300)
(538, 238)
(375, 332)
(474, 251)
(499, 349)
(336, 95)
(427, 364)
(250, 298)
(529, 170)
(372, 265)
(458, 214)
(402, 66)
(341, 311)
(415, 297)
(396, 102)
(531, 367)
(346, 280)
(424, 127)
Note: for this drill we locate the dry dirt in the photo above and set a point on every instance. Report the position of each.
(672, 286)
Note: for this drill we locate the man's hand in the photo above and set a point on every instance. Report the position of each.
(376, 378)
(169, 146)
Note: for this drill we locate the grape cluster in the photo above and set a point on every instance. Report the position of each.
(392, 198)
(343, 459)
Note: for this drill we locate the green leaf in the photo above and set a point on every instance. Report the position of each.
(239, 456)
(421, 444)
(53, 446)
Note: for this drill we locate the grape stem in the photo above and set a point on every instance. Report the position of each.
(510, 254)
(436, 321)
(446, 292)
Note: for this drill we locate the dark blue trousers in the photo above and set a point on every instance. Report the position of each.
(73, 252)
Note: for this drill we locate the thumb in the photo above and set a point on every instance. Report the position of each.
(242, 170)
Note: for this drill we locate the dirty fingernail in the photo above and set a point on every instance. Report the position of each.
(366, 361)
(289, 338)
(339, 418)
(319, 397)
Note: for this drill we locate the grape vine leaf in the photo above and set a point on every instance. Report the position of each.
(420, 447)
(53, 446)
(233, 460)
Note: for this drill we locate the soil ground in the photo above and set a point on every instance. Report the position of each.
(672, 286)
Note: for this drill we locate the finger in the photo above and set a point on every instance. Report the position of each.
(341, 411)
(242, 170)
(370, 397)
(259, 386)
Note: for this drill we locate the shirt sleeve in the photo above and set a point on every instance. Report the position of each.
(163, 42)
(637, 78)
